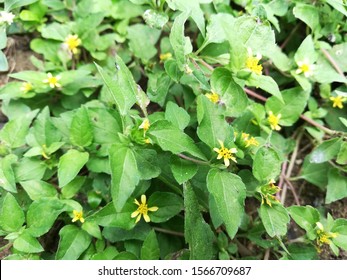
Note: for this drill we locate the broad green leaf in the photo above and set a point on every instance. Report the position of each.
(7, 178)
(115, 234)
(69, 165)
(306, 51)
(275, 219)
(42, 214)
(147, 163)
(337, 186)
(266, 164)
(308, 14)
(339, 5)
(342, 155)
(198, 233)
(182, 170)
(12, 4)
(171, 138)
(212, 125)
(108, 254)
(150, 248)
(142, 37)
(266, 83)
(158, 87)
(71, 188)
(301, 251)
(232, 95)
(169, 205)
(340, 227)
(306, 217)
(155, 19)
(37, 189)
(172, 69)
(43, 129)
(177, 115)
(216, 27)
(125, 256)
(81, 130)
(124, 174)
(73, 242)
(316, 174)
(178, 40)
(26, 243)
(11, 214)
(229, 193)
(294, 104)
(326, 151)
(92, 228)
(121, 87)
(14, 132)
(109, 217)
(29, 169)
(55, 31)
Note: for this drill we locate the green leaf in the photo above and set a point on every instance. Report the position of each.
(326, 151)
(115, 234)
(37, 189)
(232, 95)
(342, 155)
(212, 125)
(26, 243)
(69, 165)
(182, 170)
(73, 242)
(147, 163)
(306, 217)
(142, 37)
(124, 174)
(198, 233)
(178, 40)
(171, 138)
(41, 215)
(229, 193)
(55, 31)
(177, 115)
(266, 83)
(294, 104)
(216, 27)
(108, 217)
(337, 186)
(7, 178)
(11, 214)
(316, 174)
(266, 164)
(121, 87)
(308, 14)
(275, 219)
(125, 256)
(81, 130)
(306, 51)
(71, 188)
(172, 69)
(169, 205)
(338, 5)
(29, 169)
(340, 227)
(92, 228)
(12, 4)
(3, 62)
(150, 248)
(14, 132)
(155, 19)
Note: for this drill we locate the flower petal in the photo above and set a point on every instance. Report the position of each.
(153, 208)
(138, 218)
(143, 199)
(135, 213)
(146, 217)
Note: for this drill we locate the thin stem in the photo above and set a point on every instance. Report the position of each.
(296, 198)
(167, 231)
(193, 160)
(255, 95)
(267, 254)
(208, 66)
(333, 62)
(290, 36)
(7, 246)
(321, 127)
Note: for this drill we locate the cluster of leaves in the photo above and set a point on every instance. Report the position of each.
(150, 101)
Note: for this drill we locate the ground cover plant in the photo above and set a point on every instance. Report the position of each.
(173, 129)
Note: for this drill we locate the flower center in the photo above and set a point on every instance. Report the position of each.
(273, 120)
(72, 42)
(252, 64)
(52, 80)
(225, 153)
(305, 68)
(143, 209)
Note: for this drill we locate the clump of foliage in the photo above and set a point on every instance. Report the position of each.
(172, 129)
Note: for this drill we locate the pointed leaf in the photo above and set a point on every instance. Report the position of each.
(150, 248)
(11, 214)
(81, 130)
(275, 219)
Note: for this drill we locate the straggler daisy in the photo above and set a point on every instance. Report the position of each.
(225, 153)
(143, 209)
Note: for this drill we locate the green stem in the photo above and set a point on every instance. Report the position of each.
(170, 185)
(7, 246)
(194, 160)
(167, 231)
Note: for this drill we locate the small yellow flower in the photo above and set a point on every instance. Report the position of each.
(323, 237)
(165, 56)
(305, 67)
(213, 97)
(143, 209)
(26, 87)
(274, 120)
(249, 141)
(148, 141)
(77, 216)
(72, 42)
(44, 152)
(267, 193)
(225, 153)
(337, 101)
(145, 125)
(52, 81)
(252, 62)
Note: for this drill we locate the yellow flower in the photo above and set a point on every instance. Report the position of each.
(165, 56)
(225, 153)
(145, 125)
(252, 62)
(251, 142)
(44, 151)
(213, 97)
(274, 120)
(324, 237)
(52, 81)
(267, 193)
(26, 87)
(337, 101)
(143, 209)
(77, 215)
(72, 42)
(305, 67)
